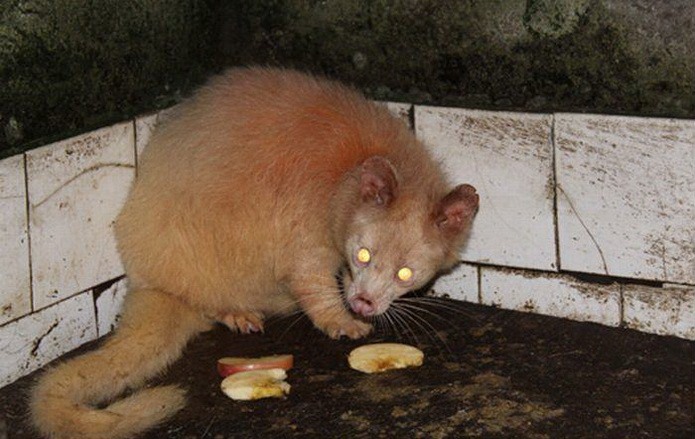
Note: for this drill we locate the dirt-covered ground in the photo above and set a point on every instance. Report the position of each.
(488, 373)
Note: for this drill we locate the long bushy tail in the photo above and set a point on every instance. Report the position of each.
(153, 331)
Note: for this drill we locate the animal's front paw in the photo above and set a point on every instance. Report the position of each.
(244, 322)
(348, 327)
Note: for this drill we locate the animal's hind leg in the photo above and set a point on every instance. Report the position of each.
(245, 322)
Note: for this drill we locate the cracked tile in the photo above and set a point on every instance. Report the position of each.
(33, 341)
(460, 284)
(626, 196)
(663, 311)
(15, 294)
(551, 294)
(76, 189)
(508, 158)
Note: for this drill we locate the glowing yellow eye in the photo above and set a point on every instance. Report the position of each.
(363, 255)
(405, 274)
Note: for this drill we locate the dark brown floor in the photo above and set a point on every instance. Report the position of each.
(487, 373)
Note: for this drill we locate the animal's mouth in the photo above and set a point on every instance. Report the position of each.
(360, 306)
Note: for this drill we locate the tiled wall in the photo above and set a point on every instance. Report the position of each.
(562, 197)
(61, 279)
(570, 197)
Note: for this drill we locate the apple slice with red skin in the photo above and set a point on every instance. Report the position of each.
(230, 365)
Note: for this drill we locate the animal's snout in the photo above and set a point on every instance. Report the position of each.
(363, 305)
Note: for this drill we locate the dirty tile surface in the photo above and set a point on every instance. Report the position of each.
(626, 196)
(76, 189)
(144, 127)
(665, 311)
(550, 294)
(508, 158)
(108, 305)
(460, 284)
(28, 343)
(15, 294)
(400, 110)
(487, 374)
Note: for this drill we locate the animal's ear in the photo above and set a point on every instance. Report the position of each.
(456, 210)
(378, 181)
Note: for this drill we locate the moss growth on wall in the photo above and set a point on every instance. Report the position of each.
(70, 65)
(539, 55)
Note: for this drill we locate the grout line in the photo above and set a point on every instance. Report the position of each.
(135, 146)
(28, 220)
(592, 278)
(411, 117)
(92, 291)
(480, 284)
(37, 311)
(621, 307)
(556, 222)
(86, 291)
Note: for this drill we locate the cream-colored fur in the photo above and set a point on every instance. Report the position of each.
(248, 201)
(154, 329)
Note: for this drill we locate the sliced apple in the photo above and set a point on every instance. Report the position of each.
(380, 357)
(256, 384)
(231, 365)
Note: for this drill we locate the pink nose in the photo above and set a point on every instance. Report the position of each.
(362, 305)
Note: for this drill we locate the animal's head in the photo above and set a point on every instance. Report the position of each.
(397, 239)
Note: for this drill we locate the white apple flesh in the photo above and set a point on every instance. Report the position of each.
(380, 357)
(256, 384)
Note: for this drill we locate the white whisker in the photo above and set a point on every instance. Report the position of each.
(426, 326)
(399, 315)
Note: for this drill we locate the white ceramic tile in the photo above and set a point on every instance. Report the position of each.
(508, 158)
(144, 127)
(663, 311)
(551, 294)
(33, 341)
(460, 284)
(15, 294)
(400, 110)
(109, 303)
(626, 196)
(76, 189)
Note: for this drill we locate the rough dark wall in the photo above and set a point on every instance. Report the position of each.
(72, 65)
(608, 56)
